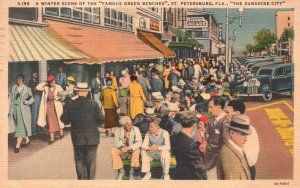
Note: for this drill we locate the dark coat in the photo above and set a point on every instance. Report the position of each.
(167, 123)
(84, 116)
(215, 140)
(188, 157)
(157, 85)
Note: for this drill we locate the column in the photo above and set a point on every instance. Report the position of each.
(43, 71)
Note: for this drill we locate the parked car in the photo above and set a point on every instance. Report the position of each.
(274, 78)
(255, 67)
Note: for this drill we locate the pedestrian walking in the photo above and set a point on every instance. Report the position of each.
(110, 104)
(51, 107)
(21, 100)
(84, 116)
(136, 98)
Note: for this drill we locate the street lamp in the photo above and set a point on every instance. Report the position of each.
(230, 20)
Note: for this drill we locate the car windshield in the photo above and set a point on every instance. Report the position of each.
(265, 72)
(254, 70)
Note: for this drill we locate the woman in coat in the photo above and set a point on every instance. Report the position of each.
(136, 99)
(22, 98)
(51, 107)
(110, 104)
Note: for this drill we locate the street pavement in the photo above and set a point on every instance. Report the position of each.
(56, 161)
(273, 122)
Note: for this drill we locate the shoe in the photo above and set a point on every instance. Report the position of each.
(50, 142)
(27, 144)
(106, 132)
(61, 136)
(166, 177)
(147, 176)
(120, 176)
(112, 135)
(17, 150)
(131, 174)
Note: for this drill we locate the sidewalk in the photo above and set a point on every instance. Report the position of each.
(56, 161)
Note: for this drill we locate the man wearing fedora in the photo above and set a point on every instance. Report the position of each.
(156, 145)
(84, 115)
(232, 162)
(159, 108)
(251, 148)
(170, 119)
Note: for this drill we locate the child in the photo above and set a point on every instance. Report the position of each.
(200, 135)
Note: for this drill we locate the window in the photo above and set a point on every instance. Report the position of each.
(153, 9)
(96, 15)
(142, 23)
(51, 11)
(279, 72)
(129, 25)
(265, 72)
(125, 21)
(120, 16)
(289, 18)
(87, 15)
(65, 12)
(289, 24)
(288, 70)
(106, 16)
(77, 15)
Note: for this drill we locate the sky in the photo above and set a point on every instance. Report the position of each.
(253, 20)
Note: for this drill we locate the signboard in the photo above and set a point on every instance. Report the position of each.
(199, 22)
(154, 25)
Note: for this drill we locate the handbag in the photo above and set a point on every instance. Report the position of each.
(123, 93)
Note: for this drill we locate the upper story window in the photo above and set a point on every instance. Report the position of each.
(117, 19)
(289, 18)
(29, 14)
(153, 9)
(142, 23)
(88, 15)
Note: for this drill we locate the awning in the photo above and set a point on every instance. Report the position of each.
(28, 43)
(186, 37)
(153, 41)
(102, 45)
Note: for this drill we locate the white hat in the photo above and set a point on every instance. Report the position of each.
(124, 71)
(205, 96)
(151, 64)
(173, 108)
(149, 111)
(82, 87)
(159, 98)
(176, 89)
(240, 123)
(181, 82)
(124, 119)
(156, 94)
(219, 87)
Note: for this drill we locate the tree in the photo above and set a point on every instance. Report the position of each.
(287, 34)
(249, 48)
(263, 40)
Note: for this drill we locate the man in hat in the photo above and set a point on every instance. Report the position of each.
(127, 145)
(186, 151)
(159, 108)
(84, 115)
(214, 134)
(124, 83)
(251, 148)
(232, 162)
(157, 83)
(142, 121)
(170, 119)
(156, 146)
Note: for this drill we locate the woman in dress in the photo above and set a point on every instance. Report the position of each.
(136, 98)
(110, 103)
(70, 93)
(22, 98)
(51, 107)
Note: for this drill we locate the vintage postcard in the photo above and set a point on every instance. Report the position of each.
(125, 93)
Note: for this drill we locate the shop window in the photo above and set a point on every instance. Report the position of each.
(51, 11)
(65, 12)
(77, 14)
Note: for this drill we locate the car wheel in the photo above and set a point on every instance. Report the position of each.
(267, 96)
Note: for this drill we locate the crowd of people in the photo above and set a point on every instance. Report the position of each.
(179, 108)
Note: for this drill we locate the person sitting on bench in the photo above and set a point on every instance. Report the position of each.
(156, 146)
(127, 145)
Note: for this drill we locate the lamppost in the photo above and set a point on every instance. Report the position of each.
(230, 20)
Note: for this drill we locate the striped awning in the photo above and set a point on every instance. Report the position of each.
(28, 43)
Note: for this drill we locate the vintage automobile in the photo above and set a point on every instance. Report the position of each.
(270, 79)
(256, 67)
